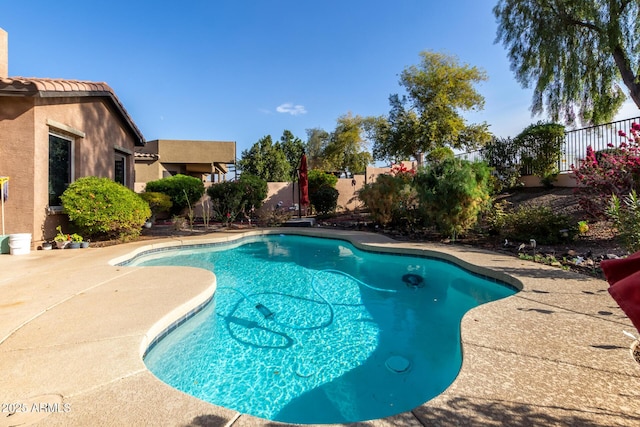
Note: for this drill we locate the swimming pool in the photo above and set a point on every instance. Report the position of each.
(309, 330)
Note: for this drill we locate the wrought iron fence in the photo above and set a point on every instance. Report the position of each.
(574, 147)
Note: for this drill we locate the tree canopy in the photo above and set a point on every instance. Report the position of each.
(317, 140)
(273, 162)
(292, 147)
(265, 160)
(346, 150)
(429, 116)
(343, 150)
(575, 53)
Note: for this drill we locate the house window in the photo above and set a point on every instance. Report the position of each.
(120, 169)
(60, 167)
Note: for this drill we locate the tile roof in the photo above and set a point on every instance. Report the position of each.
(146, 156)
(45, 88)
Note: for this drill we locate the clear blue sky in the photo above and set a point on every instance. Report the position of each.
(238, 70)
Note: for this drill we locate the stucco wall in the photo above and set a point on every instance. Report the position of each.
(17, 159)
(147, 170)
(563, 180)
(195, 158)
(25, 124)
(287, 193)
(94, 153)
(176, 151)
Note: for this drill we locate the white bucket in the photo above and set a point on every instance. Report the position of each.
(20, 244)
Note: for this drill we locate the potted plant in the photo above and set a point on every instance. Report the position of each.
(76, 239)
(61, 239)
(84, 244)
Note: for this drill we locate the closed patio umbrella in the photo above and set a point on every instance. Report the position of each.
(303, 184)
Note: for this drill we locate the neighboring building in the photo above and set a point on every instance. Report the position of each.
(206, 160)
(52, 132)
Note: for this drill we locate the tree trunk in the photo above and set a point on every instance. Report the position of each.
(419, 159)
(628, 77)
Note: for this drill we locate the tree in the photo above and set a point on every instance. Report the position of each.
(292, 147)
(346, 150)
(317, 140)
(265, 160)
(396, 137)
(429, 116)
(540, 148)
(575, 53)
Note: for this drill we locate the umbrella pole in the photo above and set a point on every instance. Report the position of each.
(299, 194)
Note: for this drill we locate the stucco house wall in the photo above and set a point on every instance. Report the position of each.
(164, 157)
(30, 110)
(287, 193)
(17, 153)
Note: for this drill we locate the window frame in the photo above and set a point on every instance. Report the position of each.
(71, 141)
(120, 155)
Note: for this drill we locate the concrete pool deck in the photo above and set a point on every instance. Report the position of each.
(72, 328)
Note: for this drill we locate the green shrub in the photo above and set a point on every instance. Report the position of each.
(496, 216)
(255, 190)
(438, 154)
(389, 199)
(625, 214)
(540, 223)
(182, 189)
(227, 200)
(453, 193)
(501, 154)
(158, 202)
(322, 194)
(540, 148)
(318, 179)
(100, 207)
(324, 200)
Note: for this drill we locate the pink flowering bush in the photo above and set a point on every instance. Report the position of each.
(401, 171)
(612, 172)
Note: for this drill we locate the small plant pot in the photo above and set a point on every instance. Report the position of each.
(74, 245)
(84, 244)
(46, 246)
(62, 245)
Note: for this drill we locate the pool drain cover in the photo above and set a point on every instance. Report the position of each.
(397, 364)
(413, 280)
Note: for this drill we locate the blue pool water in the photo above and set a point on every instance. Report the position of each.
(308, 330)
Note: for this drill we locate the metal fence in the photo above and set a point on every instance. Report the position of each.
(574, 147)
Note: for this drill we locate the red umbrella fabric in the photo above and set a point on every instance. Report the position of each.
(623, 276)
(304, 181)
